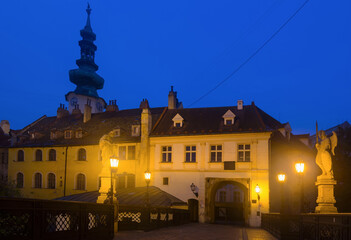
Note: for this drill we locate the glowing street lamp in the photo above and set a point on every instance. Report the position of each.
(258, 190)
(300, 167)
(281, 177)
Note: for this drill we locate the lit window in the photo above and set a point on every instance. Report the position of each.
(216, 153)
(51, 181)
(19, 180)
(38, 180)
(244, 153)
(116, 133)
(190, 153)
(20, 156)
(82, 154)
(166, 154)
(38, 155)
(80, 182)
(52, 155)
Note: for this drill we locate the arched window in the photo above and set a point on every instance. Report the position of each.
(82, 155)
(38, 155)
(80, 182)
(51, 181)
(37, 180)
(20, 156)
(19, 180)
(52, 155)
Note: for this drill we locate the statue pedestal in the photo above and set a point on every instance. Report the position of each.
(326, 197)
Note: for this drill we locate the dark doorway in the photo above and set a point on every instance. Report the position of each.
(229, 204)
(193, 206)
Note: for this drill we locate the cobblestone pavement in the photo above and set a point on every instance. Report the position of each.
(198, 232)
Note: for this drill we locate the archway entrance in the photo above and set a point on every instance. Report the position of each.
(228, 201)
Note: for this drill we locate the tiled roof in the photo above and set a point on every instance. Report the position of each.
(199, 121)
(132, 197)
(4, 139)
(93, 130)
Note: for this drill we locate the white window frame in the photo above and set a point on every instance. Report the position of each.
(190, 152)
(245, 151)
(167, 152)
(216, 151)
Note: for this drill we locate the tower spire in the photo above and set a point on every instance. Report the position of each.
(87, 25)
(85, 77)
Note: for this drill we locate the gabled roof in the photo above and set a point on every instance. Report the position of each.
(200, 121)
(93, 130)
(131, 197)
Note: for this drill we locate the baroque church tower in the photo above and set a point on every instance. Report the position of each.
(85, 76)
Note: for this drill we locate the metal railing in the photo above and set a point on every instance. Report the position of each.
(48, 219)
(311, 226)
(143, 218)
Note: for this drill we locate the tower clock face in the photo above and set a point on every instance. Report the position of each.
(74, 101)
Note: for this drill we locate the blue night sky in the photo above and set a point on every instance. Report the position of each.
(144, 47)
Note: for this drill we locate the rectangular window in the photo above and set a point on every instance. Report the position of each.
(122, 153)
(131, 152)
(244, 153)
(216, 153)
(165, 180)
(190, 153)
(237, 196)
(67, 134)
(166, 154)
(222, 196)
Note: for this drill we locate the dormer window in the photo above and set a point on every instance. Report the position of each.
(178, 121)
(79, 134)
(135, 130)
(229, 117)
(116, 132)
(53, 135)
(68, 134)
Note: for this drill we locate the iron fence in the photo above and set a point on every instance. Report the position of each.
(47, 219)
(311, 226)
(143, 218)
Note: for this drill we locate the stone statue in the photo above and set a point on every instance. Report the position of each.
(324, 156)
(108, 149)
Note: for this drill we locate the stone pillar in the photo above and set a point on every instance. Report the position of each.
(326, 197)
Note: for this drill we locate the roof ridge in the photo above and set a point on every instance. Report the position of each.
(32, 124)
(159, 119)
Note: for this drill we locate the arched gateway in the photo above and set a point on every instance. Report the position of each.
(227, 201)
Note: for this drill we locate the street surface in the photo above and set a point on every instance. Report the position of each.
(198, 232)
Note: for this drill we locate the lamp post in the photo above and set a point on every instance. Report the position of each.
(147, 176)
(194, 189)
(258, 190)
(281, 179)
(114, 167)
(300, 167)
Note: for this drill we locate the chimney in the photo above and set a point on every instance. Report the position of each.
(5, 126)
(240, 105)
(144, 104)
(76, 110)
(112, 106)
(173, 102)
(61, 111)
(87, 111)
